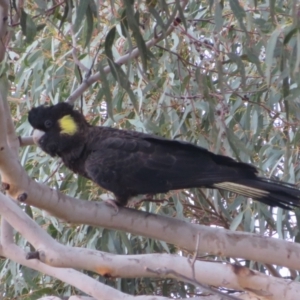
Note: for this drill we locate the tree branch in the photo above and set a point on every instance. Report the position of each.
(4, 5)
(11, 251)
(132, 266)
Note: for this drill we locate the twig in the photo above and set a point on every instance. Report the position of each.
(133, 54)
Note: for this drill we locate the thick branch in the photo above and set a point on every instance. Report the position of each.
(149, 265)
(83, 282)
(75, 278)
(11, 137)
(4, 5)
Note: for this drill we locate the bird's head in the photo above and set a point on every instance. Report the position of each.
(58, 128)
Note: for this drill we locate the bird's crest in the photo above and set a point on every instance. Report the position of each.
(67, 125)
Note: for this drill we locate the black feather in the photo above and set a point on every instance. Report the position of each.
(130, 163)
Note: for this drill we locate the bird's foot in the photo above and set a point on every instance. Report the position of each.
(112, 203)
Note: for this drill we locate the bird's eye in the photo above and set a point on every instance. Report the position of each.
(48, 123)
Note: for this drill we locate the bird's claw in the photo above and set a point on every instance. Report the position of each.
(112, 203)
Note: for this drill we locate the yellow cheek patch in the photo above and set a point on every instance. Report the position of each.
(67, 125)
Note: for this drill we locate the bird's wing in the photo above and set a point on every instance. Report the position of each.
(149, 165)
(127, 167)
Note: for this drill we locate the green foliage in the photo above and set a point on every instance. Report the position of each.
(227, 78)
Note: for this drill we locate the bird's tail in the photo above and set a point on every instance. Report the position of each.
(268, 191)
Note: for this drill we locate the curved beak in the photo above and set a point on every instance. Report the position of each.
(37, 134)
